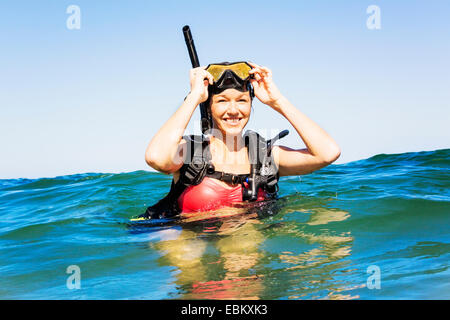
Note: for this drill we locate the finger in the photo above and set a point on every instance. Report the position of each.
(261, 70)
(257, 76)
(254, 65)
(263, 75)
(255, 84)
(210, 78)
(201, 74)
(255, 71)
(194, 72)
(267, 71)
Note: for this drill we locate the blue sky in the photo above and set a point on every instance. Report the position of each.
(90, 100)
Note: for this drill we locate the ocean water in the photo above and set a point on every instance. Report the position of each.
(371, 229)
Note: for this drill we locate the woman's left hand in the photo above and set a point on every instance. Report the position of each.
(265, 89)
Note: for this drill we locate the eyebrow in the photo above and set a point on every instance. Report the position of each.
(223, 96)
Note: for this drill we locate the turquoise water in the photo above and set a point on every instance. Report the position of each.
(389, 212)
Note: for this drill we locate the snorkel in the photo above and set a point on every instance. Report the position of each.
(206, 121)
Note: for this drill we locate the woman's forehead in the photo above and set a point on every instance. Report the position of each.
(232, 93)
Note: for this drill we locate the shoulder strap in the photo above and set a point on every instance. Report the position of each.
(196, 160)
(257, 148)
(259, 153)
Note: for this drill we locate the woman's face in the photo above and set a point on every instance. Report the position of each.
(230, 111)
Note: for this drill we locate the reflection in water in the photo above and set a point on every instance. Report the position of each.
(317, 271)
(324, 216)
(185, 252)
(215, 259)
(241, 257)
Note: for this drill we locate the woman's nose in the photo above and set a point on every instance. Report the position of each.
(232, 108)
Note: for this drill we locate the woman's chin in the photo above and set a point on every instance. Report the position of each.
(232, 130)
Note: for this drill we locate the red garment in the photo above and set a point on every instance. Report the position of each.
(210, 194)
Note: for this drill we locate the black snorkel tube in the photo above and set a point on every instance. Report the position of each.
(205, 121)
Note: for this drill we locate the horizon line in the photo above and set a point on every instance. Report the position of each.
(154, 171)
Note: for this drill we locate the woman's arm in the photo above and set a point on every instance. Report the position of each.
(164, 152)
(321, 148)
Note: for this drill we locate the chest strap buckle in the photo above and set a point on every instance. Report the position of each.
(229, 178)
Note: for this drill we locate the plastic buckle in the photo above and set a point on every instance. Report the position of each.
(227, 177)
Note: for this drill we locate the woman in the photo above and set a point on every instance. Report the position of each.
(230, 109)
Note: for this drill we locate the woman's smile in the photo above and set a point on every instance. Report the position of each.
(233, 121)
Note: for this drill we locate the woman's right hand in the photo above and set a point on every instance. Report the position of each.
(200, 79)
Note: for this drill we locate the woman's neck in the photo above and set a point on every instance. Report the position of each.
(229, 153)
(230, 143)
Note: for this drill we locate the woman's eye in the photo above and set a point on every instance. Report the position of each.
(242, 100)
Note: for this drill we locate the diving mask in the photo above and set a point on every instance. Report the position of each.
(230, 76)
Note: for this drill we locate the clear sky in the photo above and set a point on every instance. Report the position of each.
(90, 99)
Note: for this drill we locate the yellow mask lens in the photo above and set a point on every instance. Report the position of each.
(241, 69)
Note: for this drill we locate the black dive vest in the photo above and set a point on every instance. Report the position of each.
(263, 173)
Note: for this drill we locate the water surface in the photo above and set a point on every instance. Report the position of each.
(388, 212)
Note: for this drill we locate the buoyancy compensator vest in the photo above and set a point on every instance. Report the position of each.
(263, 173)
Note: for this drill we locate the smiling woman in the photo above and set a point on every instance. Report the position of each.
(230, 111)
(228, 166)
